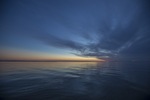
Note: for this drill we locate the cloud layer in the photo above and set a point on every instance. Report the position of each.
(89, 28)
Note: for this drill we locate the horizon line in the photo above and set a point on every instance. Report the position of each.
(52, 60)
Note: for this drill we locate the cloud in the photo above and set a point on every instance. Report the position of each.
(93, 28)
(122, 32)
(52, 40)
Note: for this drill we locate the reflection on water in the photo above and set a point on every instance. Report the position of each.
(75, 80)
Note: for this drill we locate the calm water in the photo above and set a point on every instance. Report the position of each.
(75, 81)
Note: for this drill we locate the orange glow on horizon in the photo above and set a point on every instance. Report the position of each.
(26, 55)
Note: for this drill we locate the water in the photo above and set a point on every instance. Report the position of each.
(75, 81)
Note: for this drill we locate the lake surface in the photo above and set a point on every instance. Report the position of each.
(75, 81)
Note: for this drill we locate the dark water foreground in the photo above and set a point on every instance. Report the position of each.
(75, 81)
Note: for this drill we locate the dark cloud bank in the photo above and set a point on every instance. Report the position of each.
(109, 28)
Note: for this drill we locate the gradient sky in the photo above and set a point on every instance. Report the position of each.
(75, 29)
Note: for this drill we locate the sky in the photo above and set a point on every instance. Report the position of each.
(74, 29)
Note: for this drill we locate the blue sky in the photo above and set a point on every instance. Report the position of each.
(76, 28)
